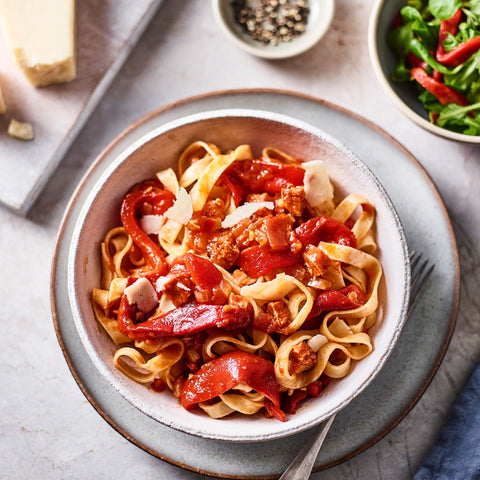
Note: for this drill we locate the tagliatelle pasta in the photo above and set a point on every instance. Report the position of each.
(240, 285)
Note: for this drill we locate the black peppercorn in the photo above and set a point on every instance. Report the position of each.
(272, 21)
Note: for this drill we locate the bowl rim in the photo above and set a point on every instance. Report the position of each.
(326, 10)
(105, 370)
(393, 95)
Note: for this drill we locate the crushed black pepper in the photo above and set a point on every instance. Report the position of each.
(272, 21)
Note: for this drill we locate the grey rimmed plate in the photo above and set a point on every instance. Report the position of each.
(411, 365)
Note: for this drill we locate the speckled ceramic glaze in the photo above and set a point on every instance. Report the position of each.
(319, 20)
(159, 149)
(403, 95)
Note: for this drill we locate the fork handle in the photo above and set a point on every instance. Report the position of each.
(302, 465)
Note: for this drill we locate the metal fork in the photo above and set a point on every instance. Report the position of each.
(301, 467)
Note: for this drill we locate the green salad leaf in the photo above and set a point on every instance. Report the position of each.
(425, 31)
(444, 9)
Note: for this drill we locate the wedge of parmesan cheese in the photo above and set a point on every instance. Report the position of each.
(41, 36)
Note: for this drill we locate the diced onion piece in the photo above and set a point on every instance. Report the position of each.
(142, 293)
(151, 224)
(317, 342)
(169, 180)
(181, 211)
(245, 211)
(318, 188)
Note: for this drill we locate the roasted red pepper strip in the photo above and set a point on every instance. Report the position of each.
(289, 403)
(162, 199)
(449, 26)
(181, 320)
(237, 190)
(325, 229)
(259, 176)
(256, 261)
(346, 298)
(223, 373)
(460, 53)
(444, 93)
(202, 271)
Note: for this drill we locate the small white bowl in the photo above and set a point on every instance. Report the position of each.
(403, 95)
(159, 149)
(319, 20)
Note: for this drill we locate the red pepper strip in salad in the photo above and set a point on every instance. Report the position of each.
(260, 176)
(162, 199)
(448, 27)
(460, 53)
(444, 93)
(201, 270)
(181, 321)
(415, 61)
(257, 260)
(223, 373)
(325, 229)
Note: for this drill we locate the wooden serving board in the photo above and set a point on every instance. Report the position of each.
(106, 32)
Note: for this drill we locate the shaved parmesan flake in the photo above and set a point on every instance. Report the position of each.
(151, 224)
(142, 294)
(161, 282)
(318, 188)
(317, 342)
(166, 304)
(181, 211)
(245, 211)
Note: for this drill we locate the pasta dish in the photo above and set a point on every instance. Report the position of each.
(242, 284)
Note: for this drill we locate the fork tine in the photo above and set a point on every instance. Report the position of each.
(421, 269)
(414, 258)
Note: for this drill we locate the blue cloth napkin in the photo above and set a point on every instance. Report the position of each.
(456, 453)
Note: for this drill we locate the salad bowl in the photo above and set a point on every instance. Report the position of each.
(158, 150)
(443, 118)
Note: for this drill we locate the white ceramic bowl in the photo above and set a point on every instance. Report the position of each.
(319, 20)
(158, 150)
(403, 95)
